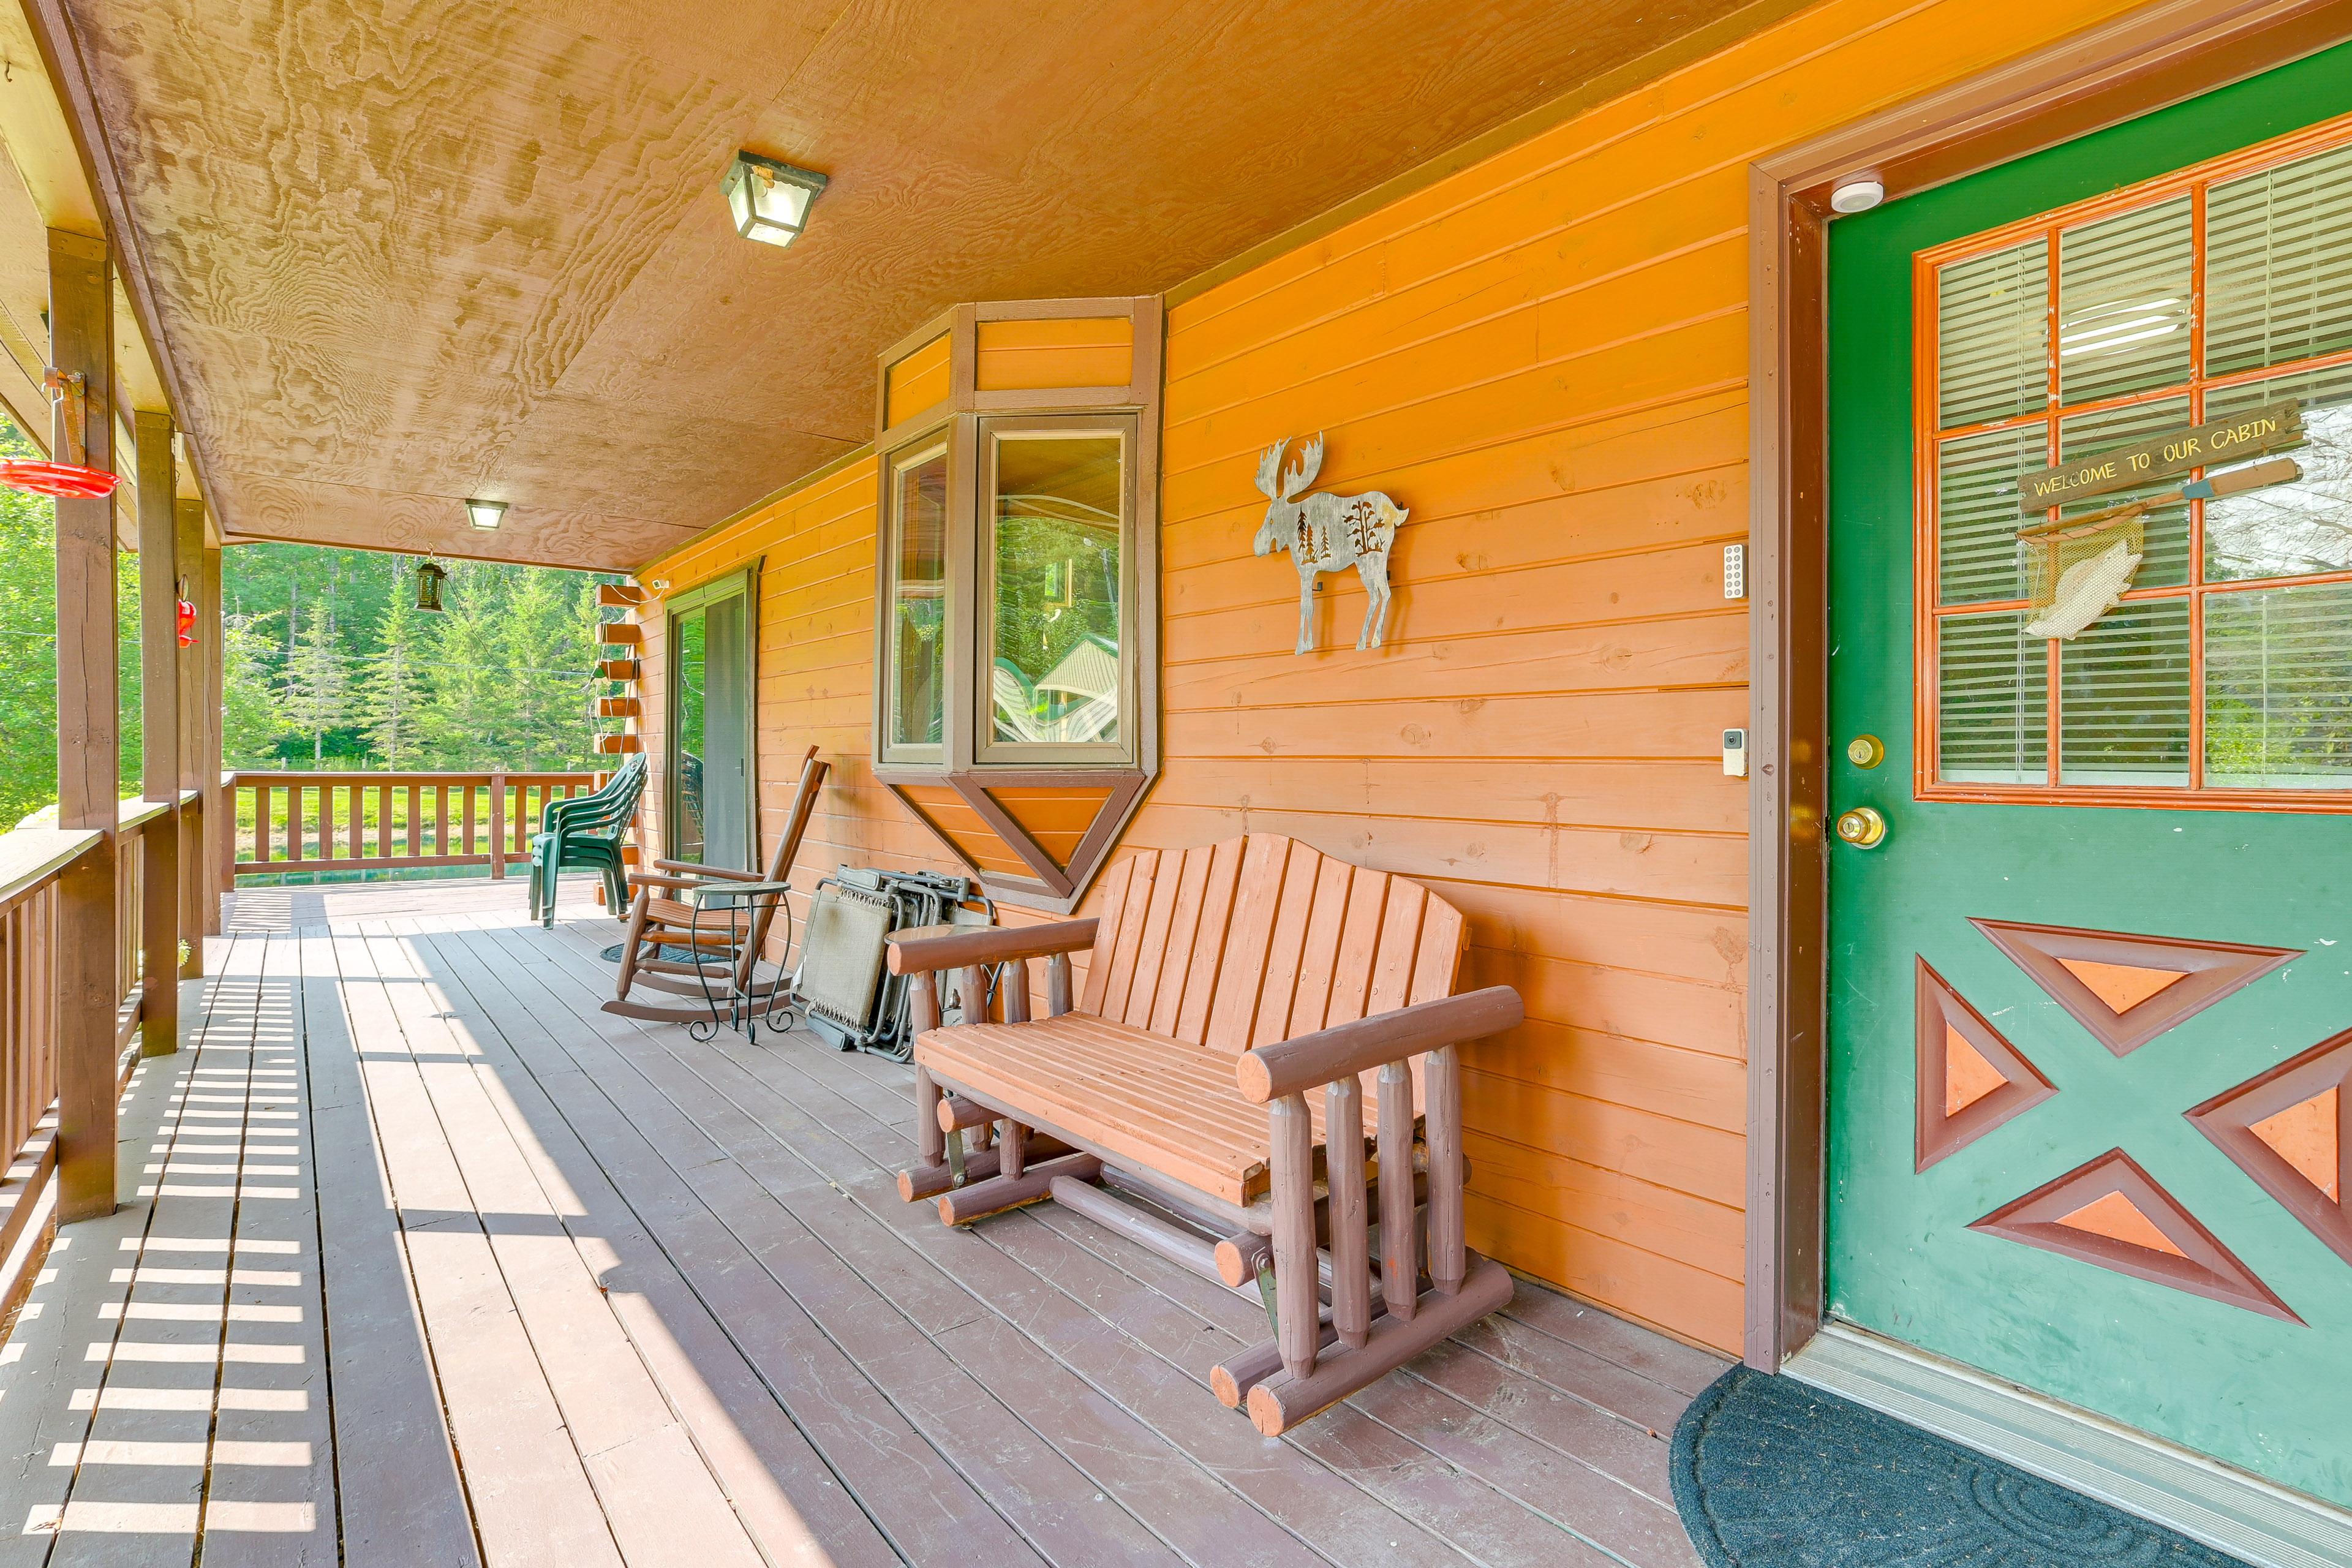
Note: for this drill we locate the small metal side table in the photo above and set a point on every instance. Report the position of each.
(740, 1006)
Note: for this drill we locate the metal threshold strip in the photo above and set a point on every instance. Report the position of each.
(2227, 1508)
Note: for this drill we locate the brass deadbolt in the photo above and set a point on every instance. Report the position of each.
(1865, 751)
(1863, 827)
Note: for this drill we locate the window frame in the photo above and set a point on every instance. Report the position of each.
(988, 750)
(922, 449)
(744, 581)
(1928, 611)
(971, 404)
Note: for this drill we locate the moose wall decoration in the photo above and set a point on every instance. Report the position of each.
(1325, 532)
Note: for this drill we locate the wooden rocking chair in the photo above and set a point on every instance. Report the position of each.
(665, 915)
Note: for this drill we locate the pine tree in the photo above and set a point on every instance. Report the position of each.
(394, 688)
(252, 721)
(469, 722)
(317, 684)
(541, 645)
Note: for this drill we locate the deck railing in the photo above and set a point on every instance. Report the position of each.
(347, 821)
(36, 865)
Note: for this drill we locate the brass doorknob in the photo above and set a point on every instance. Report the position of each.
(1863, 827)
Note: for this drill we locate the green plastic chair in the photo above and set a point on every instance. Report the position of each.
(585, 832)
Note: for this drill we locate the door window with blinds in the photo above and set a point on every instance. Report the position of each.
(2183, 639)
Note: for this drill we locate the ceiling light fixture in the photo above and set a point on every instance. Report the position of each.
(485, 514)
(1857, 194)
(769, 200)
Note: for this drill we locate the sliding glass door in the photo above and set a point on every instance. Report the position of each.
(712, 781)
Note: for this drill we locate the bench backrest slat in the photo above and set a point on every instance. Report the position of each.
(1260, 939)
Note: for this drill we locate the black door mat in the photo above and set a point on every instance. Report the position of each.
(669, 956)
(1768, 1473)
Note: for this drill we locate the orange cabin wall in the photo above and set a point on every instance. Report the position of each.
(1545, 358)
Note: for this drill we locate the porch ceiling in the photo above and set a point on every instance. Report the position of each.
(406, 254)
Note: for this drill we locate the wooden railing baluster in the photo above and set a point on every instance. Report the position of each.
(1015, 990)
(1400, 1268)
(408, 827)
(1352, 1254)
(1057, 984)
(1442, 1097)
(1297, 1300)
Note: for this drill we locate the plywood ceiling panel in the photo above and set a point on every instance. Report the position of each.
(406, 254)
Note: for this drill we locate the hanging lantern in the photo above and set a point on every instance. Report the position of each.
(430, 576)
(65, 480)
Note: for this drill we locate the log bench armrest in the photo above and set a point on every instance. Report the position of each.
(1345, 1050)
(927, 949)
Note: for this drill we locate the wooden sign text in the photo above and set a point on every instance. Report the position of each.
(2161, 457)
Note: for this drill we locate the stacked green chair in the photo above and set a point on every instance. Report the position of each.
(585, 832)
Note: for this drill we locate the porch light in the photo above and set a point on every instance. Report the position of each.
(485, 514)
(430, 576)
(769, 200)
(1858, 193)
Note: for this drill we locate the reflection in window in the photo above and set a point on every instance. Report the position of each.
(1055, 672)
(2124, 698)
(918, 600)
(1995, 718)
(2289, 531)
(2278, 688)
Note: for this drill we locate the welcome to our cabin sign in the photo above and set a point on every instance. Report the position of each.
(2161, 457)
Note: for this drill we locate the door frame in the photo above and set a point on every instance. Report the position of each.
(2132, 65)
(743, 580)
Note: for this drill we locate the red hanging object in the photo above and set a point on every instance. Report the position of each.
(187, 624)
(63, 480)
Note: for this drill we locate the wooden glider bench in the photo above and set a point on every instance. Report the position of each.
(1247, 974)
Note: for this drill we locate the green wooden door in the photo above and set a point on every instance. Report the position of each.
(2032, 995)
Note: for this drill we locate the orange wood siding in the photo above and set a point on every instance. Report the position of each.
(1544, 357)
(1085, 351)
(917, 382)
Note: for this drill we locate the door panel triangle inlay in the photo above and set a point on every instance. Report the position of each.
(1970, 1079)
(2115, 1217)
(2087, 972)
(2309, 1136)
(2122, 986)
(2094, 1213)
(2291, 1129)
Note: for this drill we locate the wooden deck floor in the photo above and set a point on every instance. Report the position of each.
(432, 1262)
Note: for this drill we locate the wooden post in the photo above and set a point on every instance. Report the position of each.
(1058, 983)
(923, 1006)
(159, 713)
(81, 350)
(1442, 1122)
(498, 825)
(1400, 1268)
(220, 801)
(196, 864)
(1297, 1297)
(1351, 1258)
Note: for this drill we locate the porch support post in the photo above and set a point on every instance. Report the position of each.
(195, 866)
(81, 344)
(159, 713)
(220, 803)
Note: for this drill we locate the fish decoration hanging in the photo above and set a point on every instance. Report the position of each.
(2079, 568)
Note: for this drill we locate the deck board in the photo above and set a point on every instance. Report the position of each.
(488, 1276)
